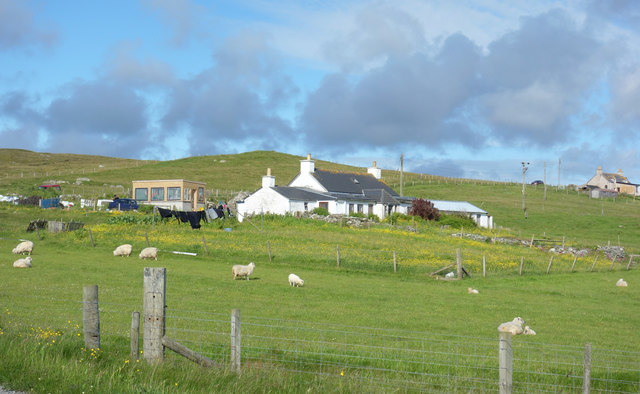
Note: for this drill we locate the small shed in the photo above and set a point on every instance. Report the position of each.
(480, 216)
(178, 194)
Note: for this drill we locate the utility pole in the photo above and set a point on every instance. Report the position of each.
(524, 170)
(559, 161)
(545, 182)
(401, 174)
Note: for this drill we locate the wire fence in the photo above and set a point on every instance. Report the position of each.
(367, 358)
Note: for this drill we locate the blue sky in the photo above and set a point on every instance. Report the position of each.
(461, 88)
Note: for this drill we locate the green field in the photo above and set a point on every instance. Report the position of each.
(362, 320)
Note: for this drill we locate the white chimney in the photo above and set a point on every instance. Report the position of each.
(307, 166)
(268, 180)
(375, 171)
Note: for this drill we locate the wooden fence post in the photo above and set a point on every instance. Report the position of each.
(147, 238)
(269, 249)
(154, 308)
(91, 237)
(135, 335)
(594, 263)
(629, 264)
(549, 266)
(235, 340)
(613, 263)
(586, 381)
(484, 266)
(459, 263)
(575, 258)
(394, 262)
(521, 264)
(505, 363)
(91, 317)
(204, 243)
(338, 255)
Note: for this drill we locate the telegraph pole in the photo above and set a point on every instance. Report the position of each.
(524, 170)
(545, 182)
(559, 173)
(401, 173)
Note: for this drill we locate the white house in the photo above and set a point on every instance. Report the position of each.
(481, 217)
(337, 192)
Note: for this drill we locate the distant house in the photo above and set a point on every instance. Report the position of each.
(338, 192)
(612, 182)
(178, 194)
(481, 217)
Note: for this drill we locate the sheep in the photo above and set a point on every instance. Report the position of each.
(450, 275)
(149, 253)
(23, 247)
(621, 282)
(528, 331)
(22, 263)
(514, 326)
(123, 250)
(294, 280)
(243, 270)
(472, 291)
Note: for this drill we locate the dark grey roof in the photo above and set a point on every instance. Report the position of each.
(381, 196)
(345, 182)
(615, 178)
(302, 194)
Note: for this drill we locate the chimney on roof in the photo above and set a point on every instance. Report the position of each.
(620, 171)
(268, 180)
(599, 170)
(375, 171)
(307, 166)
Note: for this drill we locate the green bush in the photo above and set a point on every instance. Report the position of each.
(357, 215)
(320, 211)
(457, 221)
(398, 218)
(373, 217)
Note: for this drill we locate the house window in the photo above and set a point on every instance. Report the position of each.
(351, 208)
(370, 208)
(323, 204)
(157, 194)
(201, 194)
(360, 208)
(142, 194)
(173, 193)
(306, 206)
(187, 194)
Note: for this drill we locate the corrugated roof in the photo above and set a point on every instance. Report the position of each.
(456, 206)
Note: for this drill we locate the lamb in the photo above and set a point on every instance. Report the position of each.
(23, 247)
(294, 280)
(621, 282)
(472, 291)
(123, 250)
(22, 263)
(149, 253)
(243, 270)
(528, 331)
(514, 326)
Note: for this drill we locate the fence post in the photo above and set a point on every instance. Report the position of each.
(549, 266)
(594, 263)
(484, 266)
(146, 236)
(574, 262)
(459, 263)
(338, 255)
(235, 340)
(269, 249)
(505, 361)
(628, 265)
(395, 265)
(204, 243)
(613, 263)
(521, 264)
(91, 237)
(90, 317)
(586, 381)
(154, 307)
(135, 335)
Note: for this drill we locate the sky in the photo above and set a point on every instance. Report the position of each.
(469, 89)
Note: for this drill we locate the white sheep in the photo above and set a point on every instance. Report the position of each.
(294, 280)
(450, 275)
(123, 250)
(514, 326)
(149, 253)
(24, 247)
(472, 291)
(621, 282)
(23, 263)
(243, 270)
(528, 331)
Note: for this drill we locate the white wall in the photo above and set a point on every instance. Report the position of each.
(265, 200)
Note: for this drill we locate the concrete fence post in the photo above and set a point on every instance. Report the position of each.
(505, 361)
(586, 382)
(135, 335)
(459, 263)
(235, 340)
(90, 317)
(154, 317)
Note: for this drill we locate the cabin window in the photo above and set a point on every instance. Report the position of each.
(187, 194)
(201, 194)
(323, 204)
(173, 193)
(157, 194)
(142, 194)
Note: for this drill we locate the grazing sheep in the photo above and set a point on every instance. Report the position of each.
(621, 282)
(23, 263)
(243, 270)
(528, 331)
(149, 253)
(123, 250)
(472, 291)
(514, 326)
(23, 247)
(294, 280)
